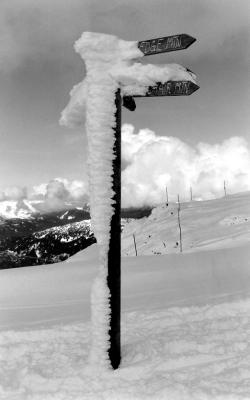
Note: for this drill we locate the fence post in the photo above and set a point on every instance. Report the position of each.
(167, 195)
(135, 245)
(179, 222)
(191, 193)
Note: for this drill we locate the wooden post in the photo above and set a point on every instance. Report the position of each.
(167, 195)
(135, 245)
(191, 193)
(225, 190)
(114, 254)
(179, 222)
(171, 88)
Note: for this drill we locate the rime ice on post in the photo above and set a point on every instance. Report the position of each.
(95, 98)
(110, 66)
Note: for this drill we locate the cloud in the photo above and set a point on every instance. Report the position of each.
(13, 193)
(153, 162)
(149, 164)
(61, 189)
(56, 195)
(59, 193)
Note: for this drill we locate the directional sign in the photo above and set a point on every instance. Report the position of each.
(166, 44)
(171, 88)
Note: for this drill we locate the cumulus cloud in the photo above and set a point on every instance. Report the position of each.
(61, 189)
(149, 164)
(153, 162)
(58, 193)
(13, 193)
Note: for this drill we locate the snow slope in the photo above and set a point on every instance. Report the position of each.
(209, 224)
(185, 329)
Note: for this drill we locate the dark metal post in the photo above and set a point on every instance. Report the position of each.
(114, 254)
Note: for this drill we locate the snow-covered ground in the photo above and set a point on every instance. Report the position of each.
(185, 329)
(208, 224)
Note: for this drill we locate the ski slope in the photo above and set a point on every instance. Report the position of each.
(185, 329)
(211, 224)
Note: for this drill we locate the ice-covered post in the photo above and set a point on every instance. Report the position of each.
(113, 73)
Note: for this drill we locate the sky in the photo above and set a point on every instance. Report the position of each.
(38, 68)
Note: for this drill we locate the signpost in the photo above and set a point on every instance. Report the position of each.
(166, 44)
(171, 88)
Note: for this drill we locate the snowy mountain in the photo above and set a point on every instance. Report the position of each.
(17, 209)
(21, 227)
(28, 209)
(47, 246)
(21, 245)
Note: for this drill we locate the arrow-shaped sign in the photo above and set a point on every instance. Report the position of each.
(166, 44)
(171, 88)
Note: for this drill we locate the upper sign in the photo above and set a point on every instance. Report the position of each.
(171, 88)
(166, 44)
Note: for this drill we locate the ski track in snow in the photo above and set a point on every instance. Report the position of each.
(196, 353)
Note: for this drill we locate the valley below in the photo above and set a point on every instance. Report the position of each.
(37, 239)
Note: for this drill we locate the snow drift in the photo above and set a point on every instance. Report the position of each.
(185, 329)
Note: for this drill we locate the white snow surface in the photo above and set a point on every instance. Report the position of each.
(110, 65)
(211, 224)
(185, 329)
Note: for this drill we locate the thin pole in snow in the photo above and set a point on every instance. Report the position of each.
(179, 222)
(135, 245)
(225, 190)
(114, 254)
(191, 193)
(167, 195)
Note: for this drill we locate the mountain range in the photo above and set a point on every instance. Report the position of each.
(29, 209)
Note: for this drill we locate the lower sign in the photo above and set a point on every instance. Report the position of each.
(171, 88)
